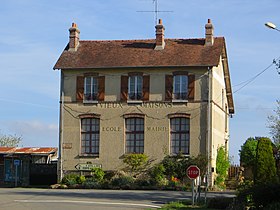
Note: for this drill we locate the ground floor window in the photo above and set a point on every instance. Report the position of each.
(180, 135)
(90, 136)
(134, 131)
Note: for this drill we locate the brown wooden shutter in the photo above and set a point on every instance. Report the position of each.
(168, 87)
(146, 87)
(80, 89)
(191, 86)
(101, 88)
(124, 88)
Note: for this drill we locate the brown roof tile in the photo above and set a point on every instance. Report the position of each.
(141, 53)
(27, 150)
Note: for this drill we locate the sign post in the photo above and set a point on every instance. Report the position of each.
(16, 164)
(193, 172)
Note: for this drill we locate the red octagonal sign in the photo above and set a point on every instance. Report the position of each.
(193, 172)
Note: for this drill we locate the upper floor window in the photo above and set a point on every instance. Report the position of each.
(179, 87)
(135, 87)
(90, 88)
(90, 136)
(180, 135)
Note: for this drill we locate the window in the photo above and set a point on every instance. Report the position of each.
(90, 88)
(134, 130)
(135, 87)
(90, 136)
(180, 135)
(180, 87)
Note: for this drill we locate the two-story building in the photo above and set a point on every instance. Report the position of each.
(154, 96)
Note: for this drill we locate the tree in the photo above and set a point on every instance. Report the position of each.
(10, 140)
(222, 165)
(136, 162)
(248, 152)
(265, 170)
(274, 124)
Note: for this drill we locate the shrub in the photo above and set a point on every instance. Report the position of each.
(273, 206)
(91, 184)
(135, 162)
(98, 174)
(123, 182)
(222, 165)
(265, 170)
(157, 173)
(219, 202)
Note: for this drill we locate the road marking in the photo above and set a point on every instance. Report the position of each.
(87, 202)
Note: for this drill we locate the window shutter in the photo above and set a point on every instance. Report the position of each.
(168, 87)
(146, 87)
(80, 89)
(191, 86)
(124, 88)
(101, 88)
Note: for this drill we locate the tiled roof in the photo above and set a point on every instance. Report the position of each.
(141, 53)
(27, 150)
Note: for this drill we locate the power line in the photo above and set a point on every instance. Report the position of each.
(247, 82)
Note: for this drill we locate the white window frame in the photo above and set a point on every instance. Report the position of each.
(93, 89)
(181, 89)
(138, 81)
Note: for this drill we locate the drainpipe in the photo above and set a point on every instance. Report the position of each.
(209, 122)
(60, 166)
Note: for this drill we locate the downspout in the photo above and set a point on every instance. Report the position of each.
(209, 122)
(60, 168)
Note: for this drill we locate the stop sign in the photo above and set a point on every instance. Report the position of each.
(193, 172)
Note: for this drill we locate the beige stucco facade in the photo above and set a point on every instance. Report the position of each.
(156, 113)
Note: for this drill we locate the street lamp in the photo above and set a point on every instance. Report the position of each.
(271, 26)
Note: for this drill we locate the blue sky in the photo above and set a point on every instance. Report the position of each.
(34, 33)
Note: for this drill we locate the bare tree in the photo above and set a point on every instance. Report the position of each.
(10, 140)
(274, 124)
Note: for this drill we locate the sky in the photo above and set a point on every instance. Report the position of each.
(35, 32)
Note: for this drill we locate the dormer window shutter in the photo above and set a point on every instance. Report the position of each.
(80, 89)
(124, 88)
(191, 85)
(146, 87)
(101, 88)
(168, 87)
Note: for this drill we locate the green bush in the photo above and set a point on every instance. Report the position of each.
(91, 184)
(260, 196)
(135, 162)
(265, 170)
(72, 179)
(219, 202)
(157, 173)
(123, 182)
(98, 174)
(222, 165)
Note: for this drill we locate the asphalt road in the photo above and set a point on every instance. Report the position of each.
(50, 199)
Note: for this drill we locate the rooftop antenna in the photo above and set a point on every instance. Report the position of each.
(156, 11)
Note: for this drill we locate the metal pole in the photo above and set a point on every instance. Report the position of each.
(193, 192)
(16, 177)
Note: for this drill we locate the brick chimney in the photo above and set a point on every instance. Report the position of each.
(74, 37)
(160, 44)
(209, 33)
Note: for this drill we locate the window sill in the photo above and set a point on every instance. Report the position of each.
(89, 156)
(179, 101)
(90, 102)
(134, 102)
